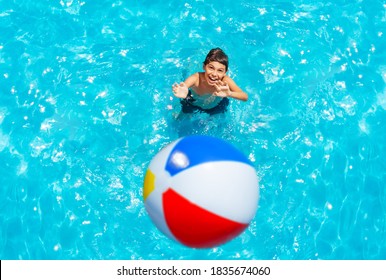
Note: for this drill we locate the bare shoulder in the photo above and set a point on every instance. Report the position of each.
(230, 82)
(228, 79)
(200, 77)
(235, 88)
(192, 80)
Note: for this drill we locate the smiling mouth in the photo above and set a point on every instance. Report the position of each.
(211, 80)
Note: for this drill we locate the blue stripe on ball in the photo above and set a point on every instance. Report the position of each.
(198, 149)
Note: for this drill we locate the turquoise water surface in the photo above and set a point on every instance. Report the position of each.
(86, 102)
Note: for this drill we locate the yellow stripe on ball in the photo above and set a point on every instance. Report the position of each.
(148, 185)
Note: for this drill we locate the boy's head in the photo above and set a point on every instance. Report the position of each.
(217, 55)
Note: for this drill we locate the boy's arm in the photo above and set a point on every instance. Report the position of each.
(192, 80)
(234, 90)
(181, 90)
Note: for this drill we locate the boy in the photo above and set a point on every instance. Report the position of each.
(208, 91)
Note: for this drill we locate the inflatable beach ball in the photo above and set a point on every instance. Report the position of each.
(201, 191)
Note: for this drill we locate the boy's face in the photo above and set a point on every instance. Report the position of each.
(214, 71)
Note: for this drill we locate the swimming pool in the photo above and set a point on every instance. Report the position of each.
(86, 102)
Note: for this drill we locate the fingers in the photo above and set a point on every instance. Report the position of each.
(175, 85)
(221, 87)
(175, 89)
(180, 90)
(221, 84)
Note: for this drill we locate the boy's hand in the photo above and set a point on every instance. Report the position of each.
(222, 89)
(180, 90)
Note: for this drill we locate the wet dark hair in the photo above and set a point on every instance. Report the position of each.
(217, 55)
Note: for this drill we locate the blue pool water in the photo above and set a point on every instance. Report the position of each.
(86, 102)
